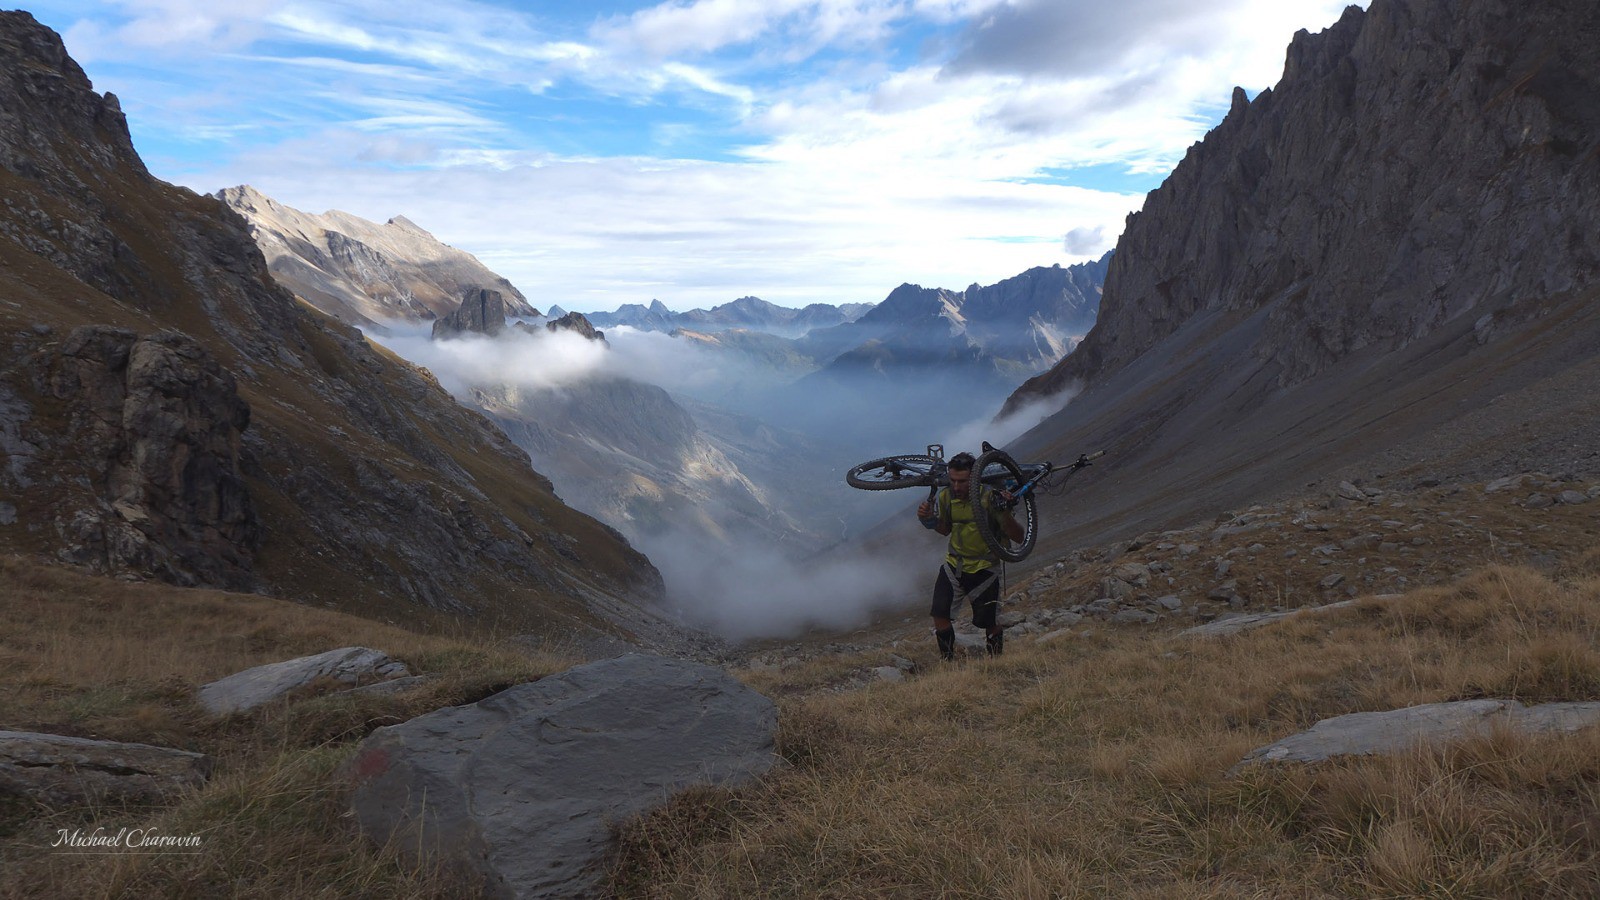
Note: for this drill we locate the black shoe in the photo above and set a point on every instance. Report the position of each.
(996, 643)
(947, 643)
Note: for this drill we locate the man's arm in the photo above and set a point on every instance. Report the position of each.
(1011, 527)
(925, 512)
(1008, 522)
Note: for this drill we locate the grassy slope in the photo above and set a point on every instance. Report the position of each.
(1091, 766)
(1099, 768)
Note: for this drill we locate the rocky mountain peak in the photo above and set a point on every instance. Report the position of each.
(49, 112)
(481, 312)
(363, 272)
(406, 224)
(577, 323)
(1419, 162)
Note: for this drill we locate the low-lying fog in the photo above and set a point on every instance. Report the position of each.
(755, 532)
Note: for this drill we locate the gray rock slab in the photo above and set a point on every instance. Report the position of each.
(1236, 624)
(523, 789)
(244, 691)
(1397, 730)
(61, 770)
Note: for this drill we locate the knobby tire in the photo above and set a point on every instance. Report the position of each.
(892, 473)
(1026, 511)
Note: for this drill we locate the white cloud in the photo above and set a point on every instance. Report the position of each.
(798, 27)
(164, 24)
(517, 358)
(849, 175)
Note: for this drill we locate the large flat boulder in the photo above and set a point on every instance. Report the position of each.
(1397, 730)
(350, 666)
(522, 789)
(61, 770)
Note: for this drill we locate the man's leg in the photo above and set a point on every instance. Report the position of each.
(943, 630)
(986, 612)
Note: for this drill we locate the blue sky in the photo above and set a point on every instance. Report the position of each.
(693, 151)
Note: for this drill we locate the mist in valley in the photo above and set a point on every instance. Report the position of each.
(725, 469)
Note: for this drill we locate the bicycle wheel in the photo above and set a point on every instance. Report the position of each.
(997, 470)
(892, 472)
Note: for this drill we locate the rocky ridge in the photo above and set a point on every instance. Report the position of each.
(166, 410)
(362, 272)
(1420, 162)
(1384, 264)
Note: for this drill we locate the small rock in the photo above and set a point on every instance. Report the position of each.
(1170, 601)
(1567, 498)
(1133, 617)
(1539, 501)
(1506, 483)
(1332, 580)
(889, 674)
(244, 691)
(1224, 591)
(1393, 731)
(1132, 573)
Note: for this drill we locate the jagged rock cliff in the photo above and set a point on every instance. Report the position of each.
(1419, 162)
(481, 312)
(1386, 266)
(363, 272)
(167, 410)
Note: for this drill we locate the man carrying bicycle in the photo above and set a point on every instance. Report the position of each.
(969, 571)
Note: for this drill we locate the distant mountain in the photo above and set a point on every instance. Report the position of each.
(655, 317)
(1388, 265)
(360, 271)
(745, 313)
(1022, 325)
(927, 359)
(168, 411)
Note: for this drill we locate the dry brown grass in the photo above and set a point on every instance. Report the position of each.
(1099, 768)
(115, 660)
(1086, 768)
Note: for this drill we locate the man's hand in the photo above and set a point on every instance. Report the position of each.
(925, 510)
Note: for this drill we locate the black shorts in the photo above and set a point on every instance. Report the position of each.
(985, 606)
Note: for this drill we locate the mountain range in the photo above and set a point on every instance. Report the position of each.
(948, 356)
(747, 313)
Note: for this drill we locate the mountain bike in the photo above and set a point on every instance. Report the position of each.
(1018, 484)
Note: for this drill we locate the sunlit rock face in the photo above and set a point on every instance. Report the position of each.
(364, 272)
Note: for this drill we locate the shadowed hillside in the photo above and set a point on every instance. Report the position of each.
(167, 411)
(1383, 266)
